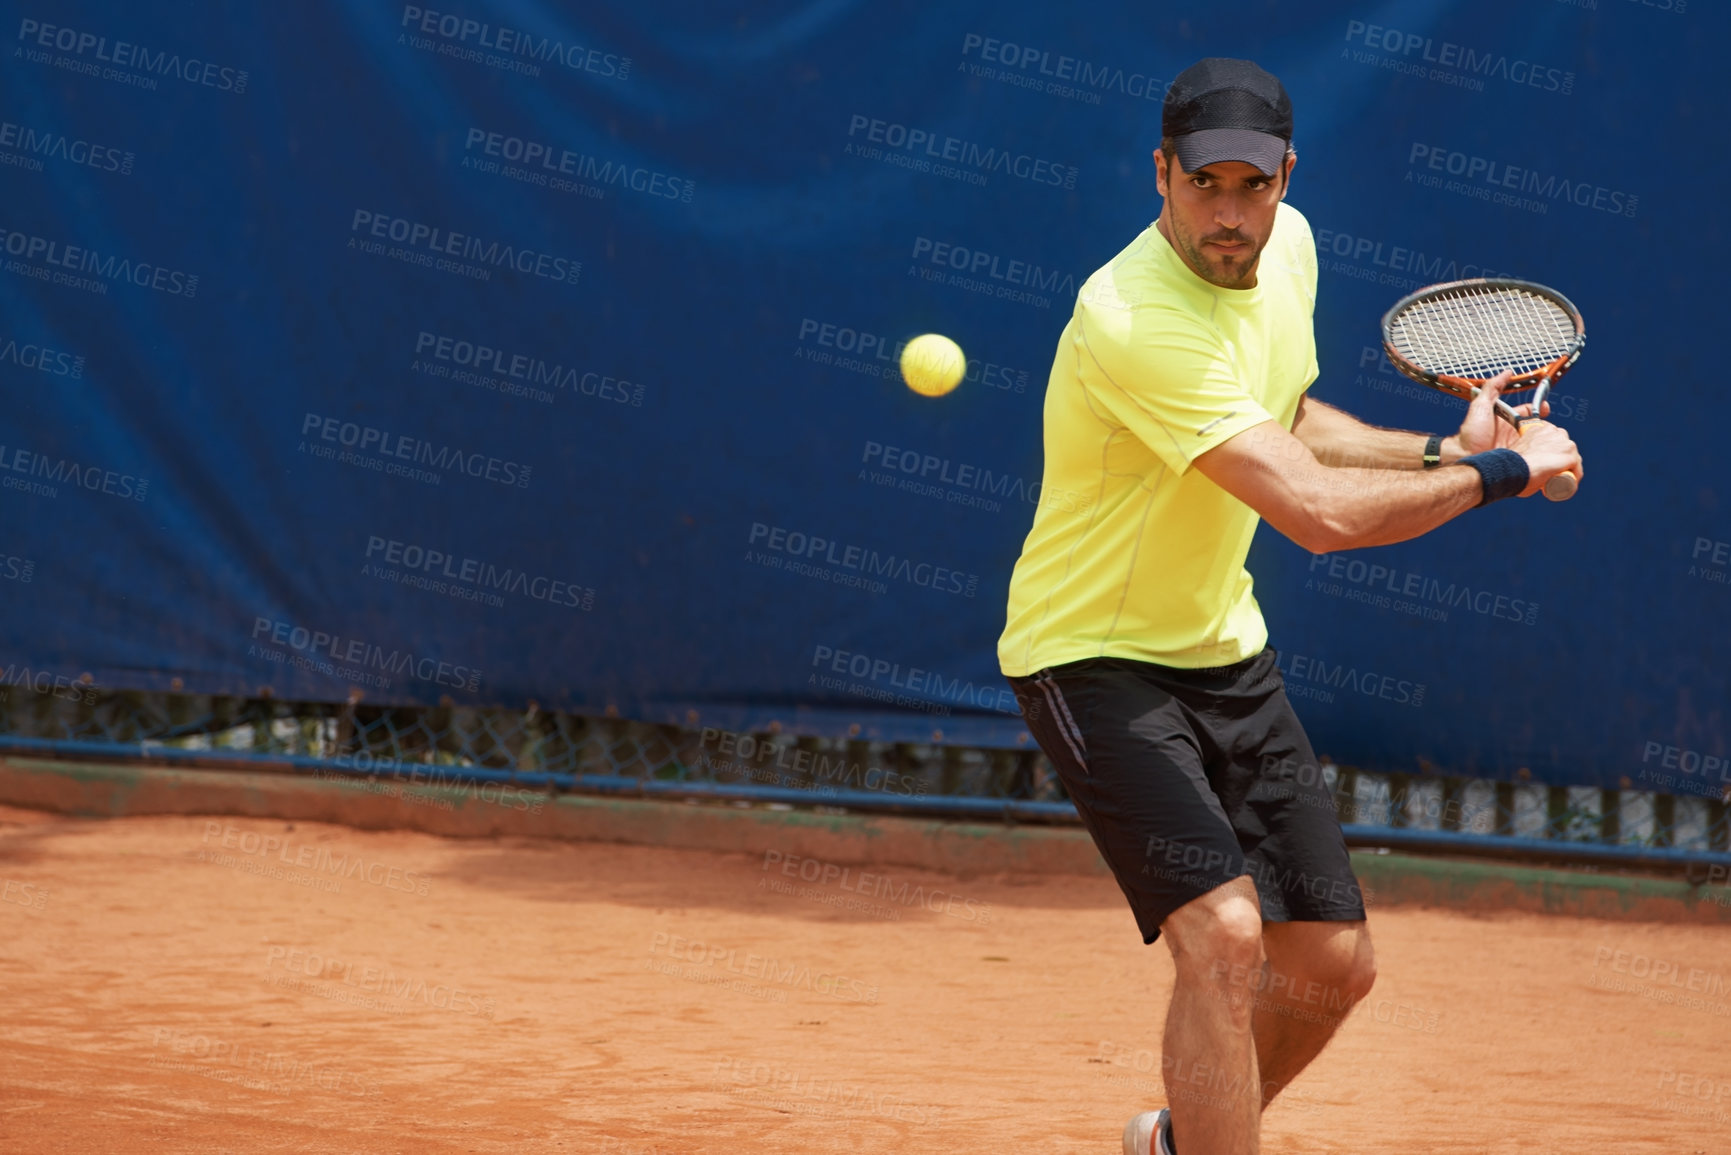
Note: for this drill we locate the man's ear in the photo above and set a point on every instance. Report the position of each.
(1286, 184)
(1160, 172)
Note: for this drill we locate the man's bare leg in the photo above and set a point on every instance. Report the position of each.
(1316, 972)
(1209, 1058)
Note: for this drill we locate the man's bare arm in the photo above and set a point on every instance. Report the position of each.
(1325, 509)
(1338, 438)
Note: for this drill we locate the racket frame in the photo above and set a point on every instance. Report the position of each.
(1467, 388)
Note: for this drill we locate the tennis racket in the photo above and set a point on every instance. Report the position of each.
(1457, 336)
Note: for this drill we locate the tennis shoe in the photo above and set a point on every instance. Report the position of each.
(1146, 1134)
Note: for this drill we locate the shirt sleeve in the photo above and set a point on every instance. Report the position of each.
(1168, 380)
(1304, 251)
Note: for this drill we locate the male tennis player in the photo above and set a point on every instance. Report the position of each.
(1177, 406)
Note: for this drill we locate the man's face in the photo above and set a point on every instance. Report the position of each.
(1220, 216)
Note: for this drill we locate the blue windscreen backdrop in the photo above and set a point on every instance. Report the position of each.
(513, 351)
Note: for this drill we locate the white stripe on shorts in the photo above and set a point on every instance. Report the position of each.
(1062, 719)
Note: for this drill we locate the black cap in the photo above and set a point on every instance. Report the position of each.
(1224, 109)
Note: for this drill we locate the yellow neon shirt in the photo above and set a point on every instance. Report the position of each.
(1133, 554)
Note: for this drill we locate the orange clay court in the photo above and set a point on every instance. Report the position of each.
(171, 985)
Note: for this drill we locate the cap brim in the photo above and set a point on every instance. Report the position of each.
(1214, 145)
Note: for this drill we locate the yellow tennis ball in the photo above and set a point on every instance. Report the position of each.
(932, 364)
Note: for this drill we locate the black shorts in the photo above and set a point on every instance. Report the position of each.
(1188, 779)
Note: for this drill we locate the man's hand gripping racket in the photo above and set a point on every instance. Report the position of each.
(1460, 336)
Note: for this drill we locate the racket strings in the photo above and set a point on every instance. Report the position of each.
(1480, 331)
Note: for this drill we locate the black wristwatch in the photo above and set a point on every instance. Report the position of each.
(1433, 452)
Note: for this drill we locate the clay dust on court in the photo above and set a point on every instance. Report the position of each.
(250, 985)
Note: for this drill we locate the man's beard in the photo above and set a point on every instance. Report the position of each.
(1244, 262)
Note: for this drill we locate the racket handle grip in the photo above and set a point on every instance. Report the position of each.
(1563, 485)
(1560, 488)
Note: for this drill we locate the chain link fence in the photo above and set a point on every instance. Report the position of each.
(570, 752)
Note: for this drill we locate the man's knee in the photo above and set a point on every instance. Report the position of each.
(1353, 967)
(1218, 937)
(1361, 975)
(1337, 971)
